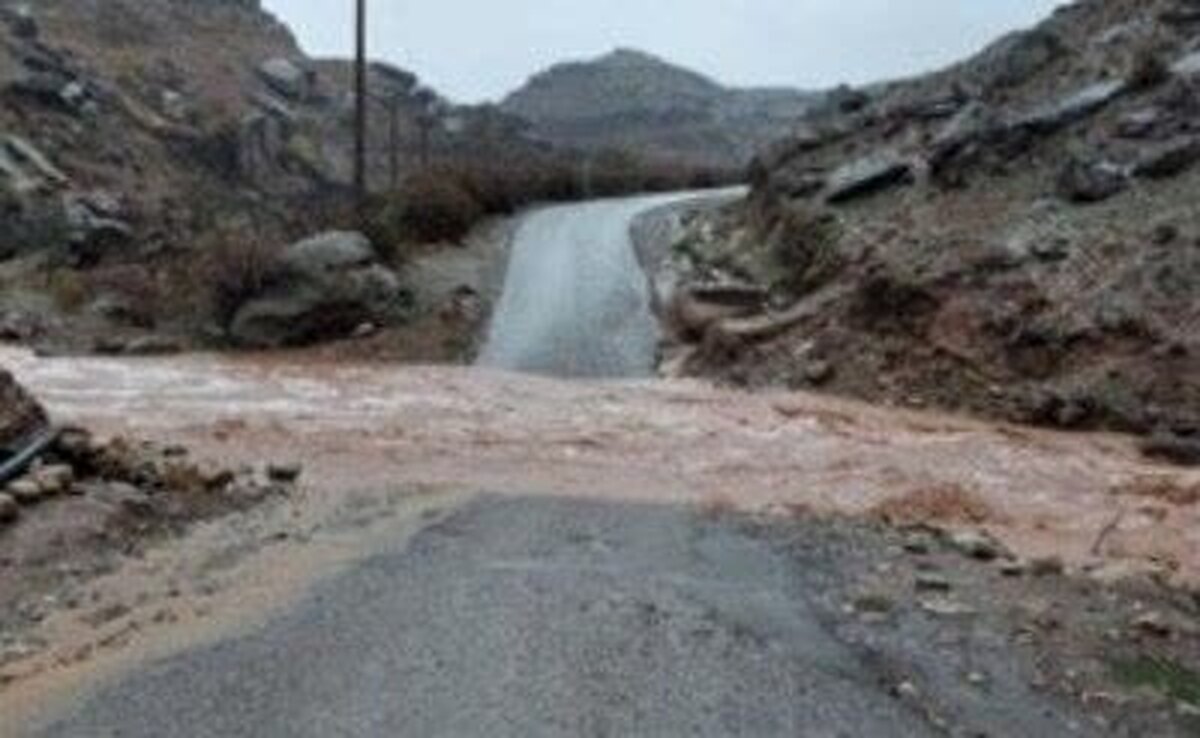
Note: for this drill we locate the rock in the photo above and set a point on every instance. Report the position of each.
(94, 235)
(75, 444)
(1153, 624)
(25, 491)
(975, 545)
(1168, 160)
(287, 78)
(1173, 448)
(1075, 107)
(30, 156)
(932, 582)
(324, 287)
(53, 480)
(284, 473)
(818, 373)
(1014, 569)
(10, 510)
(1088, 181)
(945, 608)
(867, 176)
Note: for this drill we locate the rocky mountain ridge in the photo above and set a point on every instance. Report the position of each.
(631, 100)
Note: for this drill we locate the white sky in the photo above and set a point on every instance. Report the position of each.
(473, 50)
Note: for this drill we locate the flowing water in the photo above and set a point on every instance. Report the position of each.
(576, 302)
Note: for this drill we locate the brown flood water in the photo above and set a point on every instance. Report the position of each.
(374, 426)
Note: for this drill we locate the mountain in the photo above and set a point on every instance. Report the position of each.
(635, 101)
(1015, 235)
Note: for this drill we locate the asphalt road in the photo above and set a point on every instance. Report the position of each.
(543, 617)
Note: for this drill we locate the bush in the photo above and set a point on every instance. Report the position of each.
(443, 203)
(68, 289)
(434, 206)
(236, 263)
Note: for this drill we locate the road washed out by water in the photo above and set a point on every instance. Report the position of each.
(594, 552)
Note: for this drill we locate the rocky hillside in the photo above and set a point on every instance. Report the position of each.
(634, 101)
(1018, 236)
(139, 167)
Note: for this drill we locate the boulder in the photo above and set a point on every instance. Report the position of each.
(867, 176)
(1073, 108)
(321, 288)
(1089, 181)
(287, 78)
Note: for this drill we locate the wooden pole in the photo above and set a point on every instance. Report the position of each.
(394, 142)
(360, 104)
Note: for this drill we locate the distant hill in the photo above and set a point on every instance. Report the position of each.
(633, 100)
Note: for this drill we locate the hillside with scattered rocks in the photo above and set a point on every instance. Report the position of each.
(1016, 236)
(630, 100)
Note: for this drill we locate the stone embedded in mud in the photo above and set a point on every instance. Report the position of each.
(284, 473)
(26, 491)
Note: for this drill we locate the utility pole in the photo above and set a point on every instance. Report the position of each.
(360, 105)
(394, 141)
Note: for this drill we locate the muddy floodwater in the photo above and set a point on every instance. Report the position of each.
(1088, 498)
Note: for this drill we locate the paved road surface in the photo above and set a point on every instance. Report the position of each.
(536, 617)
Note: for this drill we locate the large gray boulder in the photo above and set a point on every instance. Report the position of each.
(322, 288)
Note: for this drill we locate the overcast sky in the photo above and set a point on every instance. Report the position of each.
(474, 50)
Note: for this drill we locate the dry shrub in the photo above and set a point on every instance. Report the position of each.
(433, 206)
(947, 503)
(235, 263)
(68, 289)
(141, 296)
(443, 203)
